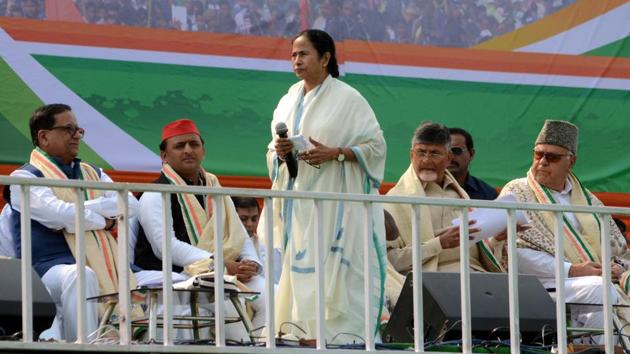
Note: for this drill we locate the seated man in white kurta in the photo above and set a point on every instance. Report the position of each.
(192, 238)
(428, 176)
(550, 181)
(56, 137)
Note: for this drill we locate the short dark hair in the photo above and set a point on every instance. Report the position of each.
(44, 118)
(431, 133)
(323, 43)
(245, 202)
(469, 140)
(621, 225)
(391, 229)
(163, 144)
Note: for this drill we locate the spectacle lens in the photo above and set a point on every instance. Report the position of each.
(70, 129)
(549, 156)
(457, 151)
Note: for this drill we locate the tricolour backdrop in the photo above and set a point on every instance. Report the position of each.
(125, 83)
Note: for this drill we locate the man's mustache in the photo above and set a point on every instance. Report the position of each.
(454, 163)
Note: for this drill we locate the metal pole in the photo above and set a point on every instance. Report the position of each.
(607, 281)
(416, 261)
(319, 275)
(79, 220)
(124, 273)
(167, 268)
(464, 256)
(269, 274)
(515, 338)
(370, 324)
(219, 298)
(27, 277)
(561, 311)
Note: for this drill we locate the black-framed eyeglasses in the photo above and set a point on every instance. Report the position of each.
(70, 129)
(458, 150)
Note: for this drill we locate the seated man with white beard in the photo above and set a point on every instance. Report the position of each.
(428, 176)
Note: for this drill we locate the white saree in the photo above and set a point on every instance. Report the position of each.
(336, 115)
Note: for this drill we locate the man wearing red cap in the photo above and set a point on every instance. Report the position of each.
(192, 237)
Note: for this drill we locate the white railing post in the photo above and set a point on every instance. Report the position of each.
(270, 275)
(219, 298)
(26, 254)
(124, 273)
(167, 268)
(319, 275)
(370, 324)
(607, 281)
(79, 220)
(561, 311)
(464, 257)
(515, 339)
(79, 188)
(416, 261)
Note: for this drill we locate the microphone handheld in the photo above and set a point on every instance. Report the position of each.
(292, 166)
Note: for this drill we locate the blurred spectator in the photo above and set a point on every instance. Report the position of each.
(446, 23)
(22, 8)
(327, 18)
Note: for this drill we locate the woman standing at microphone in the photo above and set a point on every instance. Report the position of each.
(347, 155)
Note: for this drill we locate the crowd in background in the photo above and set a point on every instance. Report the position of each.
(445, 23)
(23, 8)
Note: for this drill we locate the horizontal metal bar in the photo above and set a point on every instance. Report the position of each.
(264, 193)
(156, 348)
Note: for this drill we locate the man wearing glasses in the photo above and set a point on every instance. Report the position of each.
(428, 176)
(463, 150)
(550, 180)
(56, 137)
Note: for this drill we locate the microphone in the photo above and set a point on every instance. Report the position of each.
(281, 130)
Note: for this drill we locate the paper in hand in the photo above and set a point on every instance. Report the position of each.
(491, 222)
(300, 143)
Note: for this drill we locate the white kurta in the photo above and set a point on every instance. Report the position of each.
(336, 115)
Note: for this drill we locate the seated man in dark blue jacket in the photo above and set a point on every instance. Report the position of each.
(56, 136)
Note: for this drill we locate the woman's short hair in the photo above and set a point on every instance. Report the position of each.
(323, 43)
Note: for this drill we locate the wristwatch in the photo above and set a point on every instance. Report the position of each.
(341, 157)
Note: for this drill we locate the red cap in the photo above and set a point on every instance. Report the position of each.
(179, 127)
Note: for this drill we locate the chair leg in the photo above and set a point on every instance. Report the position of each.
(106, 316)
(243, 315)
(625, 343)
(194, 311)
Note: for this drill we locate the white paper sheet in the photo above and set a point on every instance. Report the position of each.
(491, 222)
(300, 143)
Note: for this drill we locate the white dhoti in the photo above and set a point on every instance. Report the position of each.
(61, 282)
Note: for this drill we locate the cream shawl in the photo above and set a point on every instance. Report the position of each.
(200, 221)
(410, 185)
(579, 246)
(100, 246)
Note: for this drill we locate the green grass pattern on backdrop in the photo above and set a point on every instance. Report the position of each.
(17, 102)
(234, 109)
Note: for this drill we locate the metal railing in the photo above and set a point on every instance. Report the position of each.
(123, 190)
